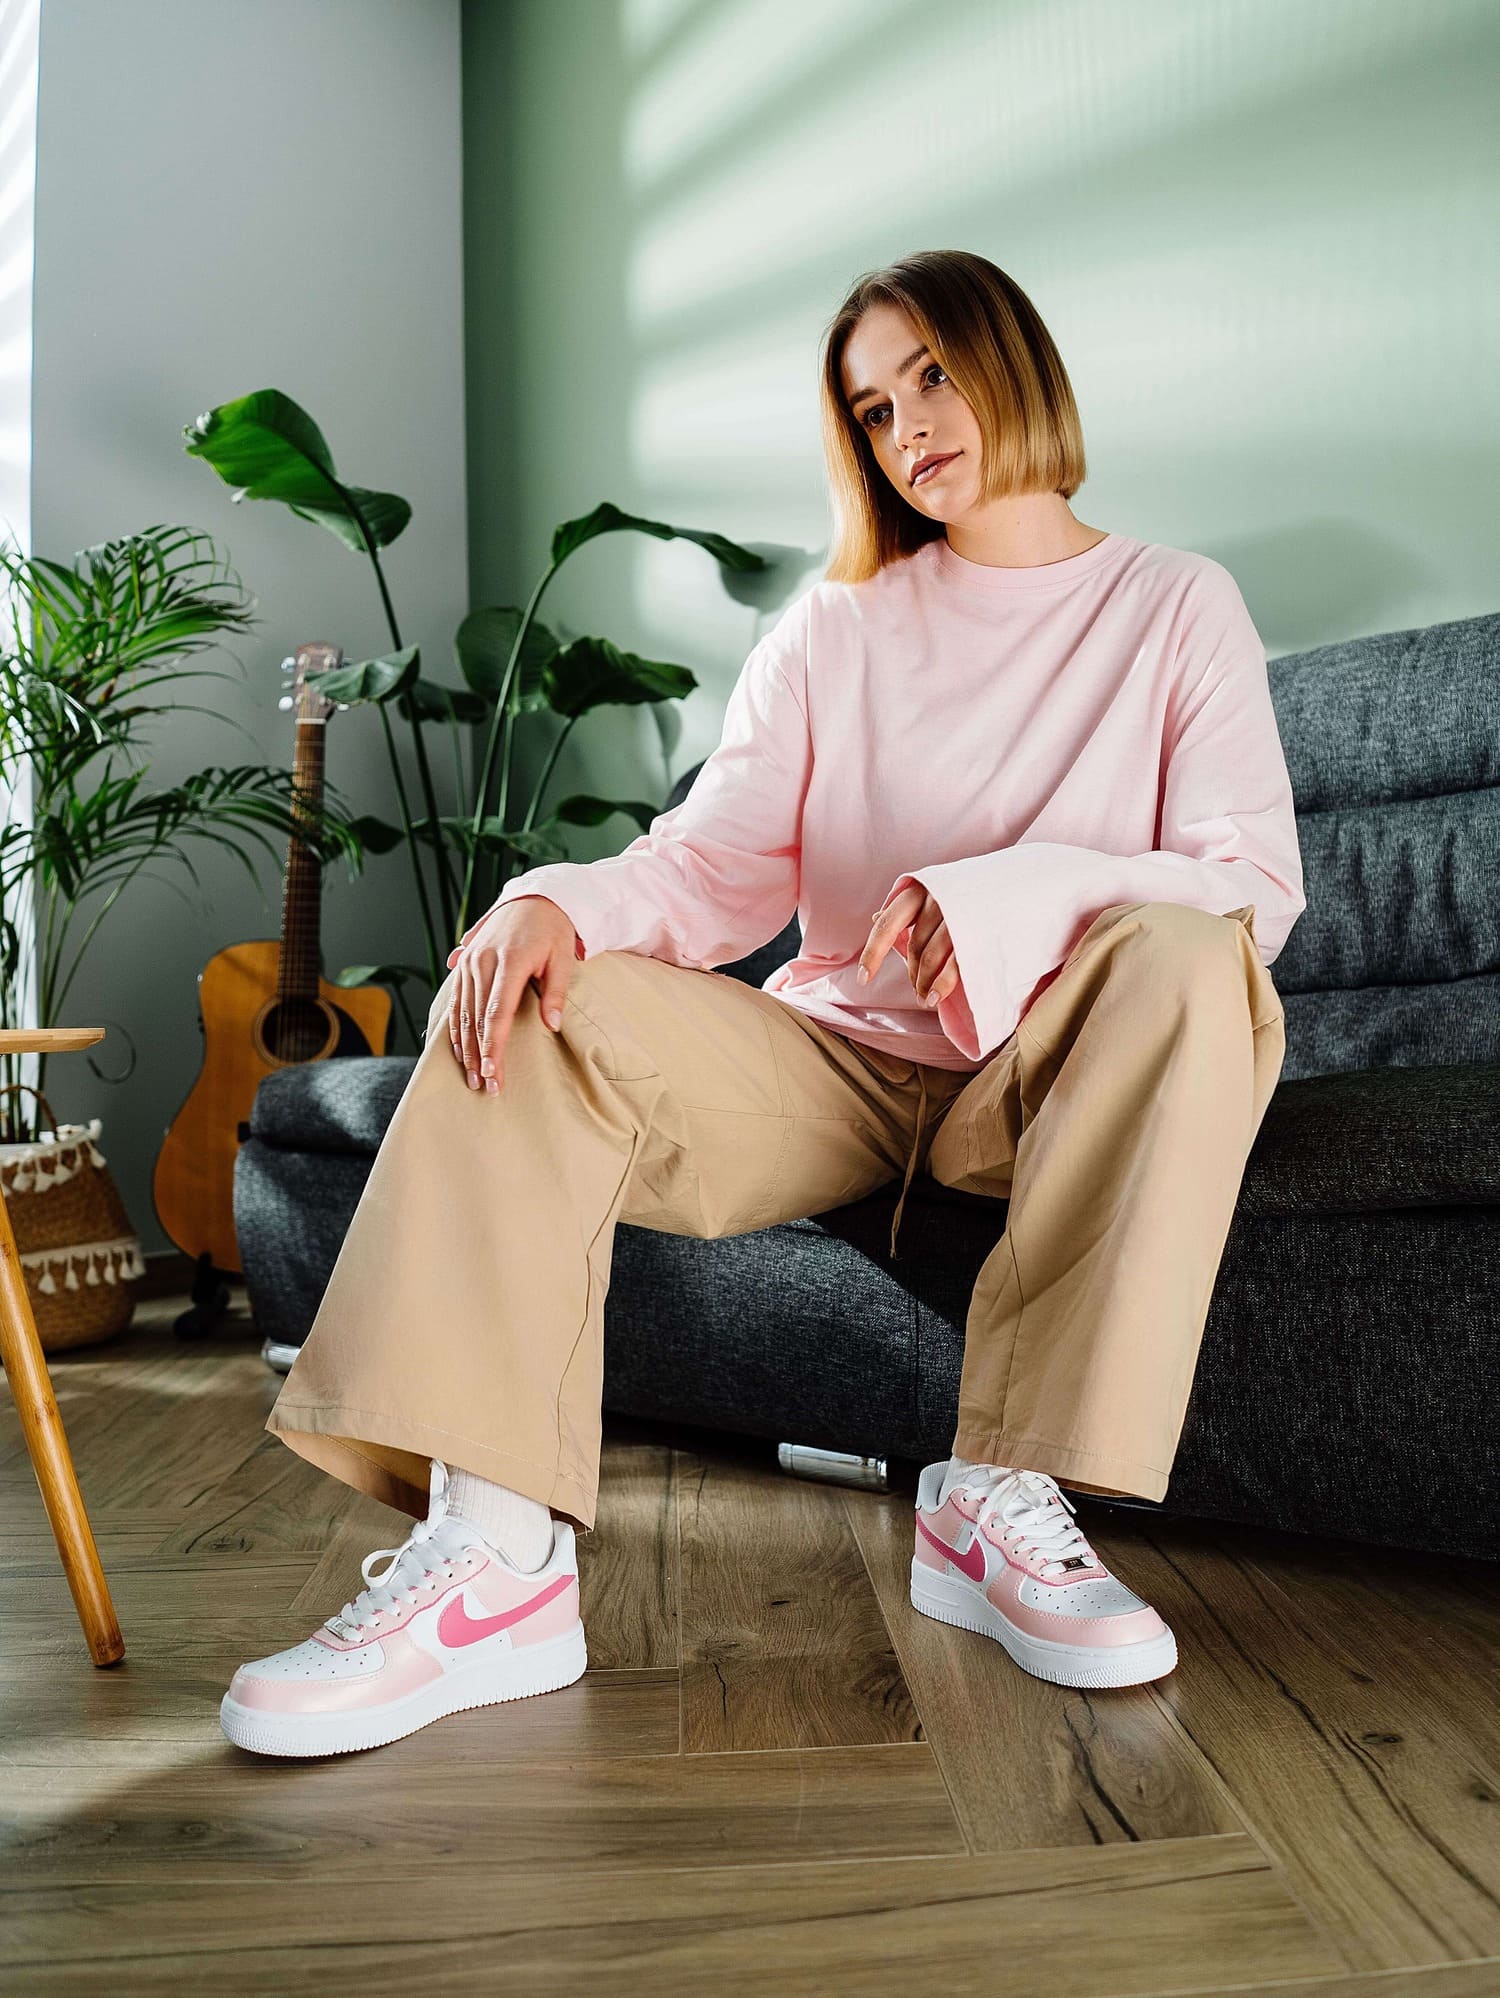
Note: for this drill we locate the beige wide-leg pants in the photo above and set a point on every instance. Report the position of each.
(464, 1318)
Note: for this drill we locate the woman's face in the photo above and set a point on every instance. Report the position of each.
(908, 409)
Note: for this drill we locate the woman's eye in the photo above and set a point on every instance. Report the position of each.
(933, 368)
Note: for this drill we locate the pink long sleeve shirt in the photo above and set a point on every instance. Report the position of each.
(1031, 745)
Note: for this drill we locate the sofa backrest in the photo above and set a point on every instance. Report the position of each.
(1392, 745)
(1393, 748)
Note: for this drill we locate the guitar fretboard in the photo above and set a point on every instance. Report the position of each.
(301, 951)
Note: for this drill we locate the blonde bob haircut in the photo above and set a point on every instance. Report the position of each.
(990, 341)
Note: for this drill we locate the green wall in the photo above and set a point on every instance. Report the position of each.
(1264, 236)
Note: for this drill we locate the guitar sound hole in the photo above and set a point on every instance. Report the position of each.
(295, 1030)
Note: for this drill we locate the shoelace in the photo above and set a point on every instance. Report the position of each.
(431, 1548)
(1031, 1508)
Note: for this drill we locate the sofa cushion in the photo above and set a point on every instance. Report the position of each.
(1393, 749)
(330, 1106)
(1380, 1137)
(1353, 1144)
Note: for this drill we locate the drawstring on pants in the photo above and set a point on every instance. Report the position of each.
(916, 1146)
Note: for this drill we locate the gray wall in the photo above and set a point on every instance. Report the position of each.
(232, 197)
(1264, 236)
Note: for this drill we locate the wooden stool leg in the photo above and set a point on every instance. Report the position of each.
(51, 1460)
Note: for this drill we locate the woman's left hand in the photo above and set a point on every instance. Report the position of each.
(930, 962)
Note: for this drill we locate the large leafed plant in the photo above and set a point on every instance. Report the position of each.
(268, 448)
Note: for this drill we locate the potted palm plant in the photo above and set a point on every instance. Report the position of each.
(92, 658)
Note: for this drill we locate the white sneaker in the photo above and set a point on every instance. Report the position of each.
(997, 1552)
(451, 1623)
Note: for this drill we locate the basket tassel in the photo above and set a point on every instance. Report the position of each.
(70, 1281)
(92, 1275)
(47, 1282)
(110, 1275)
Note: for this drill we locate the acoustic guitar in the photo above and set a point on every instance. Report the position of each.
(262, 1005)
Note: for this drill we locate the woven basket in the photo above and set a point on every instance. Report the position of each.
(78, 1251)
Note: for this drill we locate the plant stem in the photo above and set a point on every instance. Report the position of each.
(447, 885)
(411, 843)
(458, 758)
(47, 954)
(541, 782)
(500, 722)
(56, 1002)
(445, 881)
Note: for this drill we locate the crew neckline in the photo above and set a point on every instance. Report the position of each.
(988, 580)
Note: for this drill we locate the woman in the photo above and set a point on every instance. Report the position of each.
(1047, 750)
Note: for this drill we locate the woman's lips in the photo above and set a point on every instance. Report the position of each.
(932, 471)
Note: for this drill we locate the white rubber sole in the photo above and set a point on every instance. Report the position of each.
(509, 1675)
(956, 1602)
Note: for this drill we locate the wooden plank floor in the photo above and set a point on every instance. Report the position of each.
(776, 1776)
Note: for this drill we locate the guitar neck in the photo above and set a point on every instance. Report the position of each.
(302, 885)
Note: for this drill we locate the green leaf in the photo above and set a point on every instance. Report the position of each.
(537, 846)
(610, 519)
(385, 514)
(483, 643)
(377, 835)
(582, 810)
(593, 673)
(371, 679)
(456, 827)
(434, 702)
(377, 974)
(86, 638)
(268, 448)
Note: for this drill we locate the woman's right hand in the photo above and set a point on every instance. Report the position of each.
(527, 938)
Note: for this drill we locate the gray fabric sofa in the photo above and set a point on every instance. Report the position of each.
(1346, 1382)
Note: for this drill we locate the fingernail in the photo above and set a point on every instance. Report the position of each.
(473, 1079)
(492, 1088)
(554, 1020)
(864, 976)
(487, 1068)
(932, 998)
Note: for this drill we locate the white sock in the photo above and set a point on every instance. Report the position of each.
(519, 1527)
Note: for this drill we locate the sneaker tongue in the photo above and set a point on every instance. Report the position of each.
(457, 1533)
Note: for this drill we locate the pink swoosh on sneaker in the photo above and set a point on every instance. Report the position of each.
(971, 1561)
(456, 1626)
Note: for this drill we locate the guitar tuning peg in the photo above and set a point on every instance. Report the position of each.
(288, 665)
(286, 704)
